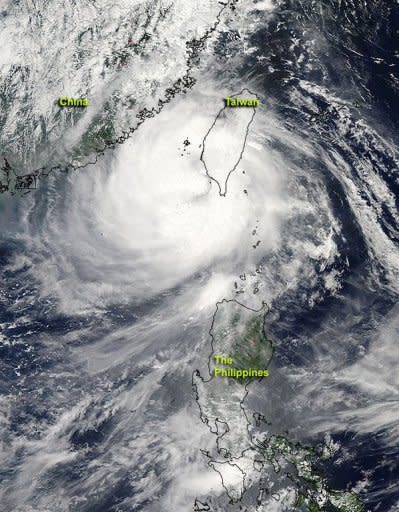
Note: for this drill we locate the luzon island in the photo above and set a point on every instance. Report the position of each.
(236, 373)
(241, 102)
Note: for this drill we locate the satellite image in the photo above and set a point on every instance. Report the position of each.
(199, 218)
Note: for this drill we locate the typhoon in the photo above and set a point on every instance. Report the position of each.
(161, 229)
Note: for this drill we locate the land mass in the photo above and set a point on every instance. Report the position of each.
(255, 466)
(224, 143)
(13, 180)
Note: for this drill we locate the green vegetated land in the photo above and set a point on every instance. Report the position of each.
(238, 342)
(313, 493)
(240, 347)
(254, 350)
